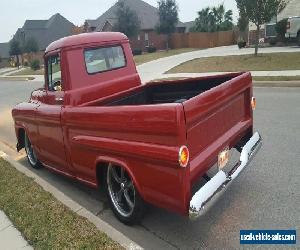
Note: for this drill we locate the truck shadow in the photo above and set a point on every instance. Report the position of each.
(160, 229)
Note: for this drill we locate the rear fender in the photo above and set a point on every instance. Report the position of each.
(121, 163)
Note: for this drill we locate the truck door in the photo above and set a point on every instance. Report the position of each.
(50, 133)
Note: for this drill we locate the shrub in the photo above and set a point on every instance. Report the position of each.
(273, 41)
(26, 64)
(280, 28)
(151, 49)
(35, 64)
(136, 52)
(241, 44)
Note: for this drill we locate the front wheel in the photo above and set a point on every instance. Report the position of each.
(124, 199)
(31, 155)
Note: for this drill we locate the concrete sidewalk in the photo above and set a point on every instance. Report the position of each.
(10, 237)
(156, 69)
(9, 71)
(253, 73)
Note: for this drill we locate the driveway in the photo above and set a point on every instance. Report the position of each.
(155, 69)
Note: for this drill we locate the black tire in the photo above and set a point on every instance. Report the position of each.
(124, 199)
(298, 38)
(31, 156)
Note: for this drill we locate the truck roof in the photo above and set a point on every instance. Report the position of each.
(86, 38)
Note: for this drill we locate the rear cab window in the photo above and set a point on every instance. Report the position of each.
(104, 59)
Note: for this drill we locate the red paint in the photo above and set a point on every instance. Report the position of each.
(72, 136)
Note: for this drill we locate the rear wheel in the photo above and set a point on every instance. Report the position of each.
(31, 155)
(123, 196)
(298, 38)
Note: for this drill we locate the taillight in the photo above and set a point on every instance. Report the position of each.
(183, 156)
(253, 103)
(288, 25)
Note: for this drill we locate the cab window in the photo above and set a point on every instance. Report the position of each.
(54, 73)
(104, 59)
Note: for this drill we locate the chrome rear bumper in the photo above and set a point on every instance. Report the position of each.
(207, 194)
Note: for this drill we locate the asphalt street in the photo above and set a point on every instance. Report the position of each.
(265, 196)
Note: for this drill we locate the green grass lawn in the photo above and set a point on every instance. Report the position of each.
(29, 71)
(44, 221)
(263, 62)
(276, 78)
(147, 57)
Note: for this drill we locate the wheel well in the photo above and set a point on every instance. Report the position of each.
(100, 172)
(21, 138)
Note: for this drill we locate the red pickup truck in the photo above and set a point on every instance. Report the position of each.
(95, 122)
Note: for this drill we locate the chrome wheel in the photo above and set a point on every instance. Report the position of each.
(30, 152)
(121, 190)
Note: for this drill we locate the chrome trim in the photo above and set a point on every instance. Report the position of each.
(207, 194)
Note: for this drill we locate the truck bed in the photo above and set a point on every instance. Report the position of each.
(167, 91)
(147, 124)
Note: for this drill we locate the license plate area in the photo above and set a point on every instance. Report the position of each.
(223, 158)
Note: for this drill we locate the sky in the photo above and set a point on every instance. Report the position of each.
(15, 12)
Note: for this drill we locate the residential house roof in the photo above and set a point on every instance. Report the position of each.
(4, 50)
(188, 25)
(147, 14)
(45, 31)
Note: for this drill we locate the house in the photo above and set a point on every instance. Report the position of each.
(4, 50)
(188, 25)
(268, 30)
(148, 16)
(45, 31)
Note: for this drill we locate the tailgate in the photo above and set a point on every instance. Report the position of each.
(215, 119)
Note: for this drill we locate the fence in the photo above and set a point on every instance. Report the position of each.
(202, 39)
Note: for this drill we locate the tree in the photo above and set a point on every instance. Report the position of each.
(15, 49)
(127, 20)
(78, 29)
(31, 45)
(260, 12)
(213, 19)
(205, 22)
(168, 18)
(242, 24)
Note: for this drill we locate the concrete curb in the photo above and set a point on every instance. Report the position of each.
(74, 206)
